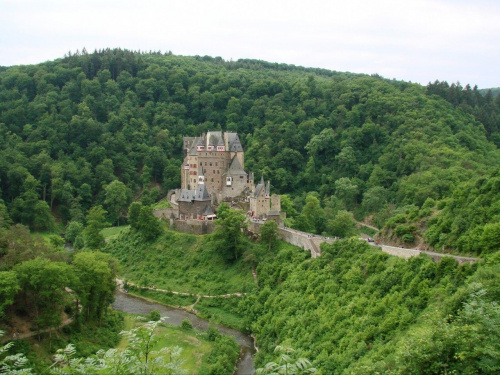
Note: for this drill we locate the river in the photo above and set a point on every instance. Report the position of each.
(133, 305)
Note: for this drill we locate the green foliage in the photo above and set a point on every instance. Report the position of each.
(186, 324)
(138, 358)
(342, 225)
(269, 234)
(350, 308)
(74, 129)
(9, 286)
(228, 233)
(222, 358)
(15, 364)
(180, 262)
(116, 200)
(469, 220)
(42, 283)
(287, 364)
(95, 288)
(154, 315)
(142, 220)
(92, 232)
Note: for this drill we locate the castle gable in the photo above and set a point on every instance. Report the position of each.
(233, 142)
(235, 169)
(186, 195)
(201, 193)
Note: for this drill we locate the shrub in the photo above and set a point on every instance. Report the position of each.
(186, 324)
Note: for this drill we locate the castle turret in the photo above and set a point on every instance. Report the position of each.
(201, 176)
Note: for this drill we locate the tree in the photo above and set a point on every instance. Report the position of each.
(286, 364)
(229, 233)
(142, 220)
(134, 212)
(95, 288)
(269, 233)
(137, 358)
(374, 199)
(149, 225)
(346, 191)
(342, 225)
(116, 200)
(73, 230)
(43, 283)
(14, 364)
(92, 232)
(9, 286)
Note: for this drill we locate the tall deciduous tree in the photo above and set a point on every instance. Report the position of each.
(228, 232)
(43, 283)
(9, 286)
(116, 200)
(95, 222)
(96, 273)
(269, 233)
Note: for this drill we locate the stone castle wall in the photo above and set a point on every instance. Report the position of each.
(194, 226)
(165, 213)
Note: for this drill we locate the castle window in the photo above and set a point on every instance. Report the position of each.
(216, 164)
(212, 180)
(214, 171)
(218, 172)
(210, 163)
(241, 176)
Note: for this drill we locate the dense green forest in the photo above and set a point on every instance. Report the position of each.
(94, 139)
(356, 310)
(105, 128)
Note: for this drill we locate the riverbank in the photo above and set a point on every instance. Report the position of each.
(129, 303)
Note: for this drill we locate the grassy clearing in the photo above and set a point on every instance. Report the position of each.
(195, 344)
(221, 310)
(368, 231)
(180, 262)
(166, 298)
(113, 232)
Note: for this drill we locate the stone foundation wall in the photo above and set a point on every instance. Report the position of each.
(194, 226)
(165, 213)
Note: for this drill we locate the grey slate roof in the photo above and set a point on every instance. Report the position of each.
(214, 138)
(208, 210)
(235, 168)
(186, 195)
(233, 142)
(259, 187)
(201, 193)
(273, 213)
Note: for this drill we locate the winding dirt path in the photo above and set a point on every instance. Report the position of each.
(228, 295)
(25, 335)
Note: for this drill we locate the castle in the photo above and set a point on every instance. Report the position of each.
(213, 172)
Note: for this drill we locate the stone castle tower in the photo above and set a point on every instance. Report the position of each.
(222, 159)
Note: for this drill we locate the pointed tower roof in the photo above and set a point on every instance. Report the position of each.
(186, 195)
(208, 210)
(235, 168)
(260, 187)
(201, 193)
(233, 142)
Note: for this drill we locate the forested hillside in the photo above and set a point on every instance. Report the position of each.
(106, 128)
(355, 310)
(94, 139)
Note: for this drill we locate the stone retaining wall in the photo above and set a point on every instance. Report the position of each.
(165, 213)
(194, 226)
